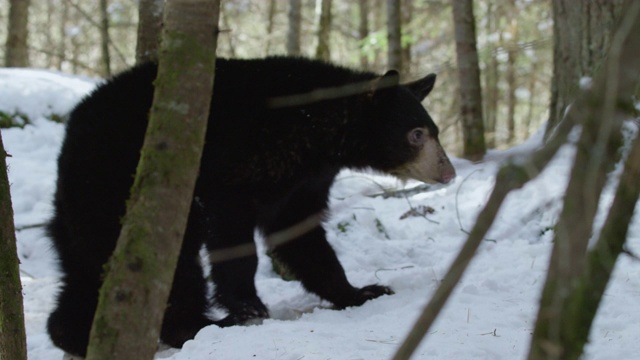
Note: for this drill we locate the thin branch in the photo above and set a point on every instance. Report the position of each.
(90, 19)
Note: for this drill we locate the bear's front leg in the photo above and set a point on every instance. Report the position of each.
(312, 261)
(235, 290)
(233, 259)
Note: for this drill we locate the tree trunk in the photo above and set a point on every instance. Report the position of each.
(512, 85)
(134, 294)
(16, 50)
(149, 29)
(62, 45)
(50, 53)
(224, 19)
(323, 10)
(474, 146)
(394, 36)
(105, 57)
(295, 27)
(271, 13)
(406, 11)
(491, 75)
(576, 280)
(581, 34)
(12, 333)
(363, 31)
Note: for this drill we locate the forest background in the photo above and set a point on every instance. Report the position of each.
(514, 42)
(533, 58)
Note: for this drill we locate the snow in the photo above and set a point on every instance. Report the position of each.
(490, 315)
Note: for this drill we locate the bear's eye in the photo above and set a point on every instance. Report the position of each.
(417, 136)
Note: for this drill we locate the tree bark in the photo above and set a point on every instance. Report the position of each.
(12, 332)
(17, 50)
(363, 31)
(295, 27)
(474, 146)
(512, 52)
(134, 294)
(581, 33)
(394, 36)
(491, 75)
(323, 9)
(105, 57)
(568, 304)
(406, 11)
(149, 30)
(271, 13)
(61, 49)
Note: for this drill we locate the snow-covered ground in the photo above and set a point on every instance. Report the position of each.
(490, 315)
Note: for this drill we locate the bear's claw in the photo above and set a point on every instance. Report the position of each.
(371, 292)
(248, 312)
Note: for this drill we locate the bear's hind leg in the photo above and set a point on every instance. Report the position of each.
(188, 303)
(70, 323)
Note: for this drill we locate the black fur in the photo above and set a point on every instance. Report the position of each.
(263, 167)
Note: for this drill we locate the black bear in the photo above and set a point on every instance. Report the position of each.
(280, 130)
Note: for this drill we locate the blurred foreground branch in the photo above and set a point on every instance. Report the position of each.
(597, 109)
(577, 278)
(511, 176)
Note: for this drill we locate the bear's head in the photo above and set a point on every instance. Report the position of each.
(404, 138)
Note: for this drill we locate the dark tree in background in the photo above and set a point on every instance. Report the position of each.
(512, 55)
(133, 299)
(474, 146)
(582, 34)
(149, 29)
(490, 73)
(104, 39)
(323, 50)
(17, 51)
(394, 36)
(295, 27)
(363, 30)
(271, 14)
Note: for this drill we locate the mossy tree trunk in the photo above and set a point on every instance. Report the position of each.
(134, 294)
(577, 277)
(474, 146)
(12, 334)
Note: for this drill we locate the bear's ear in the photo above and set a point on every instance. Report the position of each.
(391, 78)
(421, 88)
